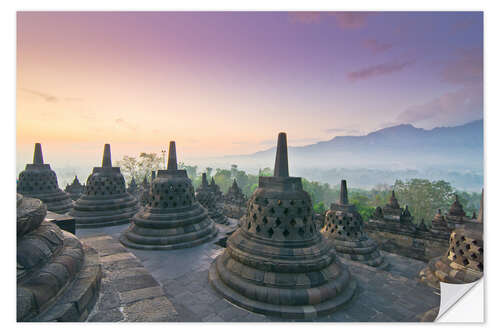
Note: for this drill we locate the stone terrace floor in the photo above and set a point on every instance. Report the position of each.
(141, 285)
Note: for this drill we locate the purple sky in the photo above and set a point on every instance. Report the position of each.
(228, 82)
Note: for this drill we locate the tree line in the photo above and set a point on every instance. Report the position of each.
(423, 197)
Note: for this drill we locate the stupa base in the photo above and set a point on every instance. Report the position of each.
(155, 246)
(102, 224)
(283, 311)
(441, 270)
(365, 252)
(76, 298)
(220, 219)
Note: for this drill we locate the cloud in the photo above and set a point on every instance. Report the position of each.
(453, 108)
(462, 25)
(49, 98)
(304, 17)
(374, 46)
(46, 97)
(125, 124)
(344, 20)
(466, 68)
(379, 70)
(351, 20)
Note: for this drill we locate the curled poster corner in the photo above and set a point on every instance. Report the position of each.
(455, 303)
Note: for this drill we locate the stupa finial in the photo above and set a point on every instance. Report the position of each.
(212, 182)
(343, 193)
(106, 156)
(172, 157)
(204, 182)
(281, 162)
(38, 156)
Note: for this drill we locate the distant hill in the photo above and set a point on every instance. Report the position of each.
(399, 147)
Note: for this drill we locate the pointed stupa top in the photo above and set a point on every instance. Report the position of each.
(343, 200)
(235, 185)
(212, 182)
(406, 211)
(281, 162)
(480, 215)
(38, 156)
(76, 181)
(456, 208)
(393, 202)
(106, 156)
(204, 182)
(132, 182)
(172, 157)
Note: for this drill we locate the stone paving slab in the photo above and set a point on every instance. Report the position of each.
(128, 291)
(393, 294)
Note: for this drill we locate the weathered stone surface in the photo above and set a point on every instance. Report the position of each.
(277, 263)
(58, 279)
(172, 218)
(393, 229)
(39, 181)
(150, 310)
(105, 200)
(128, 293)
(463, 262)
(344, 229)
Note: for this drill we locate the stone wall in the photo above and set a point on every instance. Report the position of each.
(420, 245)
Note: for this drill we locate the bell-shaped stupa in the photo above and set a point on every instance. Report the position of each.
(206, 197)
(39, 181)
(344, 228)
(277, 263)
(143, 194)
(216, 190)
(58, 278)
(235, 202)
(133, 188)
(75, 189)
(105, 201)
(172, 218)
(463, 262)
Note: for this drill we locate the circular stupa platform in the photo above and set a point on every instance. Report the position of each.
(277, 263)
(58, 278)
(171, 218)
(105, 201)
(39, 181)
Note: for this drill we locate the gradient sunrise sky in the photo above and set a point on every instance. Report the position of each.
(223, 83)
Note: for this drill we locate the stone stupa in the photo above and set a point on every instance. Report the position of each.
(39, 181)
(105, 201)
(58, 278)
(206, 197)
(133, 188)
(172, 218)
(75, 189)
(144, 192)
(234, 202)
(277, 263)
(344, 228)
(216, 190)
(463, 262)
